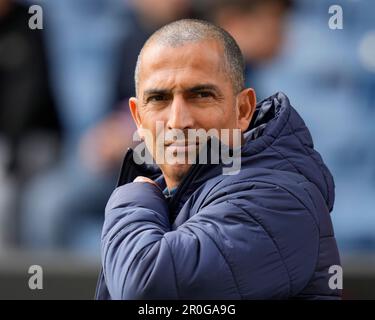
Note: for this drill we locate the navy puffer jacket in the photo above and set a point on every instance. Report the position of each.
(265, 233)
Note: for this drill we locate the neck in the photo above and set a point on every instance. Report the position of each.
(171, 184)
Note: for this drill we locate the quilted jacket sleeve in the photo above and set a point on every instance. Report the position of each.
(228, 250)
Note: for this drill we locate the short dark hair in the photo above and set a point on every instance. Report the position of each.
(189, 30)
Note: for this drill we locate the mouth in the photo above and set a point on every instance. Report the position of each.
(182, 143)
(181, 147)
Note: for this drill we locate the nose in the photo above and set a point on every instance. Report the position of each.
(180, 116)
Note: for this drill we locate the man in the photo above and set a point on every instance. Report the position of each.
(182, 231)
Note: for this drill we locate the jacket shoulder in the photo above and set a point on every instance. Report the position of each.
(282, 204)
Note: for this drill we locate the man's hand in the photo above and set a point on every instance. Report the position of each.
(145, 179)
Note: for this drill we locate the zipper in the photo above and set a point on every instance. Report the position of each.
(124, 168)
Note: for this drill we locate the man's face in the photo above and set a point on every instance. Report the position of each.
(184, 87)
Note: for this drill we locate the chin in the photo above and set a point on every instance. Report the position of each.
(177, 171)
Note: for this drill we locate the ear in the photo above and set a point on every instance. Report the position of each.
(246, 103)
(133, 106)
(133, 103)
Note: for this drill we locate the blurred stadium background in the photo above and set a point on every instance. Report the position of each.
(64, 124)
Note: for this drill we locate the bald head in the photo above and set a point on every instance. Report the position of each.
(181, 32)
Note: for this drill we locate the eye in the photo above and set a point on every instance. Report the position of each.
(204, 94)
(155, 98)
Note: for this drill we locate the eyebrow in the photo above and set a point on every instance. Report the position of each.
(201, 87)
(195, 88)
(156, 91)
